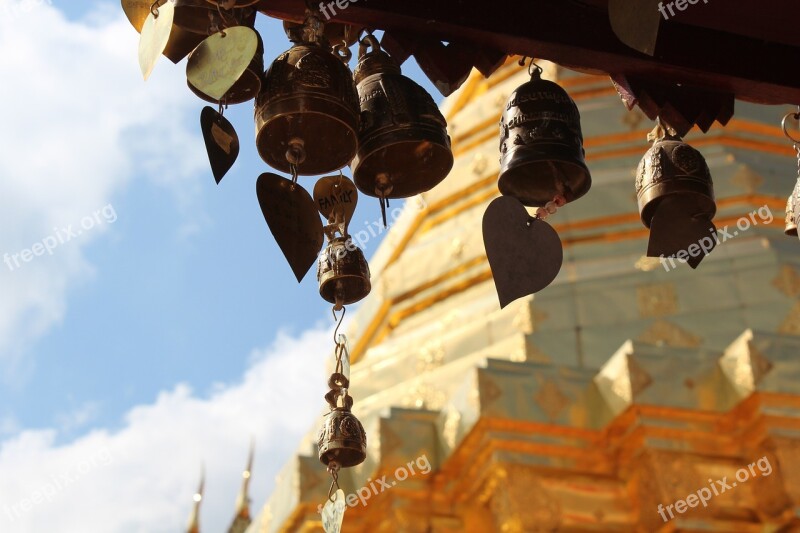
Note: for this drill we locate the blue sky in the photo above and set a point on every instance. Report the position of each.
(184, 297)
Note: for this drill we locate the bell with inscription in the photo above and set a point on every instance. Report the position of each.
(404, 148)
(676, 198)
(541, 145)
(307, 111)
(207, 17)
(343, 272)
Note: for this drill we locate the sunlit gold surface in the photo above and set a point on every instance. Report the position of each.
(619, 388)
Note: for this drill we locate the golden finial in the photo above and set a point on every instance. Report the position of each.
(242, 519)
(194, 520)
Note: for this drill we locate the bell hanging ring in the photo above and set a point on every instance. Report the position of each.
(246, 87)
(541, 145)
(207, 16)
(307, 111)
(404, 148)
(343, 272)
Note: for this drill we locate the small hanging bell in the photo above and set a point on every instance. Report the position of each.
(343, 272)
(404, 148)
(307, 111)
(207, 16)
(793, 204)
(676, 198)
(541, 145)
(246, 87)
(792, 212)
(342, 440)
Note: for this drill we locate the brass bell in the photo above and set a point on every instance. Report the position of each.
(307, 111)
(675, 193)
(246, 87)
(541, 145)
(404, 148)
(792, 213)
(343, 272)
(207, 16)
(673, 168)
(342, 438)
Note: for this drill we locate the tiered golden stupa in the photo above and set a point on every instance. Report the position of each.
(620, 388)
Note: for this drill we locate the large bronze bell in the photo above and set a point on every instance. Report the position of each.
(207, 16)
(307, 111)
(343, 272)
(792, 212)
(342, 439)
(541, 145)
(676, 198)
(404, 148)
(246, 87)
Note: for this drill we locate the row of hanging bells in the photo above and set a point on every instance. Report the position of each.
(313, 116)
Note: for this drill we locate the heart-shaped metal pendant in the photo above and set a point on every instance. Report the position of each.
(336, 198)
(155, 36)
(676, 233)
(221, 59)
(636, 23)
(525, 253)
(293, 219)
(222, 142)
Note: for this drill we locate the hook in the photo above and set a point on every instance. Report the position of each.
(539, 70)
(154, 8)
(795, 116)
(333, 468)
(362, 37)
(339, 321)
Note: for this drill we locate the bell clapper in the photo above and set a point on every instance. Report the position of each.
(383, 188)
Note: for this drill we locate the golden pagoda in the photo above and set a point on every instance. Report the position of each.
(602, 402)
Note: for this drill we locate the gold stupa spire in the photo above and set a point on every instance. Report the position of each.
(194, 519)
(242, 518)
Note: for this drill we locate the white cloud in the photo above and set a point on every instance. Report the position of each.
(78, 124)
(140, 479)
